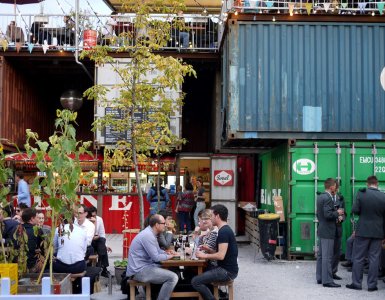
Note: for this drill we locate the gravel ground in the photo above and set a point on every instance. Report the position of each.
(280, 279)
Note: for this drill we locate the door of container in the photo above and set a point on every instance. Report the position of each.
(310, 166)
(224, 185)
(366, 159)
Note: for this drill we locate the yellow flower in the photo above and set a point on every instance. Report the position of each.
(1, 147)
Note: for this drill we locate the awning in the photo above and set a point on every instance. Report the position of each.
(192, 6)
(19, 157)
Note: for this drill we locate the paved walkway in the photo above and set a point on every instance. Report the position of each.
(259, 279)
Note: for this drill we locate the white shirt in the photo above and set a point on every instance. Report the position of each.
(100, 231)
(89, 228)
(108, 29)
(72, 248)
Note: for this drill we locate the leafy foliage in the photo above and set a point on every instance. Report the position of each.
(59, 159)
(148, 84)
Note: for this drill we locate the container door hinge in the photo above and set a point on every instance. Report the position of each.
(292, 215)
(292, 182)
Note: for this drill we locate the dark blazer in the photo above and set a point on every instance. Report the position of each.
(340, 203)
(370, 206)
(327, 216)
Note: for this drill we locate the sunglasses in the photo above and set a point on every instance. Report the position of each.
(18, 210)
(162, 223)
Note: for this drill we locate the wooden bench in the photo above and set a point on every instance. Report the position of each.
(134, 283)
(229, 285)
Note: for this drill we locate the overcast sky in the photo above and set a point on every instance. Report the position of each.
(53, 7)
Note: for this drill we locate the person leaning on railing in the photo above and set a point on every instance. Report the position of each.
(15, 34)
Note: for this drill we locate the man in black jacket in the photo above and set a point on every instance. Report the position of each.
(327, 216)
(339, 202)
(370, 206)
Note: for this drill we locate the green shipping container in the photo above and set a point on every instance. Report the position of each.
(297, 170)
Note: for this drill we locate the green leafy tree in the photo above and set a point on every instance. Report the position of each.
(5, 173)
(58, 158)
(147, 87)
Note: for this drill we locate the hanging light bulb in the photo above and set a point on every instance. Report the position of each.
(373, 14)
(273, 19)
(236, 13)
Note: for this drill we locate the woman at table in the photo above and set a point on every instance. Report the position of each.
(38, 35)
(206, 238)
(184, 206)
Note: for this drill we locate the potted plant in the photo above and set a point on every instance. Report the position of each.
(59, 160)
(120, 267)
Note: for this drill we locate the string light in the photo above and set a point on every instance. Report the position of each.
(373, 14)
(236, 13)
(273, 19)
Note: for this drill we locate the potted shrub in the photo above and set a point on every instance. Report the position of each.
(120, 267)
(59, 159)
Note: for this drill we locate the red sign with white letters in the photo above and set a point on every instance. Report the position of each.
(223, 177)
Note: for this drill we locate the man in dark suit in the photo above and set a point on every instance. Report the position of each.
(338, 201)
(327, 216)
(370, 206)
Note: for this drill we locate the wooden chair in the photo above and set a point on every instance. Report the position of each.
(229, 285)
(134, 283)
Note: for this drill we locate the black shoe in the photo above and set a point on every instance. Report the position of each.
(105, 273)
(332, 285)
(373, 289)
(353, 287)
(347, 264)
(336, 277)
(319, 281)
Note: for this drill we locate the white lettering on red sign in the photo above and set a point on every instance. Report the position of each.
(223, 177)
(120, 203)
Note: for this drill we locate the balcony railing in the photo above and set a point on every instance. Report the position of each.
(36, 30)
(342, 7)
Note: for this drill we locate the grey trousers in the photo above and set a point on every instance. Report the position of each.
(336, 254)
(324, 261)
(362, 248)
(158, 275)
(349, 248)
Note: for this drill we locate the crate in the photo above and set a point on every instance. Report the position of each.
(62, 284)
(10, 271)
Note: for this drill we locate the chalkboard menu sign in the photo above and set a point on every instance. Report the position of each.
(111, 134)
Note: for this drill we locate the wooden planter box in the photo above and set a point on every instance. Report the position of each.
(62, 284)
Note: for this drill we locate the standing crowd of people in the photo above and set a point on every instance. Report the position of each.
(364, 247)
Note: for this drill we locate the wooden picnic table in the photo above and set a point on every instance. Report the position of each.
(191, 263)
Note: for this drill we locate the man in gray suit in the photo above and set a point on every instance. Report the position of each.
(327, 216)
(370, 206)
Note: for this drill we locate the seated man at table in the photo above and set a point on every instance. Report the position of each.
(226, 256)
(70, 244)
(68, 34)
(166, 237)
(9, 225)
(144, 257)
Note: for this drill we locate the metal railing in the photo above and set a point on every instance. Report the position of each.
(342, 7)
(201, 32)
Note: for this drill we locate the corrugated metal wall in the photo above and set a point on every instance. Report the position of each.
(305, 77)
(19, 106)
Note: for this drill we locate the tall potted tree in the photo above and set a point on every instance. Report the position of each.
(146, 86)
